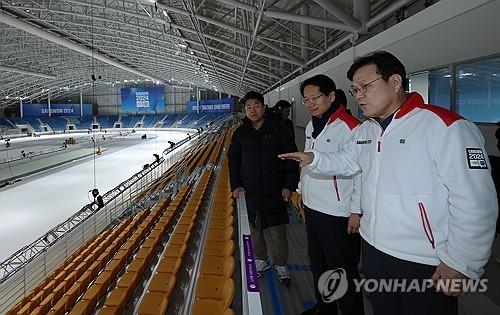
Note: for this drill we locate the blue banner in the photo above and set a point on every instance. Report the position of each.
(42, 110)
(144, 100)
(223, 105)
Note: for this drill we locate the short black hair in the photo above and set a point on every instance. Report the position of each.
(282, 104)
(341, 97)
(252, 95)
(387, 65)
(325, 84)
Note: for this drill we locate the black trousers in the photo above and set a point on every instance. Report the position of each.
(378, 265)
(330, 247)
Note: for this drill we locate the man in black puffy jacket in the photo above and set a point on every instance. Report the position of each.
(266, 181)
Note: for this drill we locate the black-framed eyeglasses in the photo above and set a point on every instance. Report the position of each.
(362, 88)
(312, 99)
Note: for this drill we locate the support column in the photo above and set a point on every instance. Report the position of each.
(48, 103)
(361, 10)
(304, 33)
(198, 96)
(81, 103)
(21, 108)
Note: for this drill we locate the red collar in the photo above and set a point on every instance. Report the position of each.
(342, 114)
(413, 101)
(336, 114)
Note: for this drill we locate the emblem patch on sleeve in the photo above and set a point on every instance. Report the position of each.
(476, 159)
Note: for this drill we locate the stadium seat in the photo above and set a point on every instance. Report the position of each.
(179, 238)
(169, 265)
(220, 235)
(216, 248)
(117, 300)
(175, 251)
(153, 303)
(217, 266)
(162, 282)
(215, 288)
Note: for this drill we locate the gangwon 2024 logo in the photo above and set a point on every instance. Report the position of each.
(333, 285)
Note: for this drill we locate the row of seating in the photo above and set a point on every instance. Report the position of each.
(215, 288)
(161, 285)
(97, 289)
(59, 282)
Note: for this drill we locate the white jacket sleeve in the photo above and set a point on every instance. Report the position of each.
(356, 194)
(307, 146)
(463, 166)
(343, 162)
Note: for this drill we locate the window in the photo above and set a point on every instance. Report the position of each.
(439, 88)
(478, 90)
(434, 86)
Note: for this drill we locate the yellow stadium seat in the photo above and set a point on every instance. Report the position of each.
(169, 265)
(61, 306)
(117, 300)
(154, 303)
(162, 282)
(215, 288)
(137, 265)
(179, 238)
(221, 223)
(220, 235)
(176, 251)
(83, 307)
(217, 266)
(220, 249)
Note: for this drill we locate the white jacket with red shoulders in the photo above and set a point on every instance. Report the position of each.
(427, 194)
(333, 195)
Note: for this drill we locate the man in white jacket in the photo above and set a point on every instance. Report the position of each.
(428, 200)
(331, 203)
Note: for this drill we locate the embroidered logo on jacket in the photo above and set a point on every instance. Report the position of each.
(475, 158)
(402, 141)
(363, 141)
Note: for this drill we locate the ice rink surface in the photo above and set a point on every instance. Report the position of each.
(33, 206)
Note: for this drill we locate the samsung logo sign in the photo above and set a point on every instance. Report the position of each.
(363, 142)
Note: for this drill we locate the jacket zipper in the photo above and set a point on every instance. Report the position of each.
(426, 224)
(336, 187)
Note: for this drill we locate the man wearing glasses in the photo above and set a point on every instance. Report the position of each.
(330, 203)
(428, 200)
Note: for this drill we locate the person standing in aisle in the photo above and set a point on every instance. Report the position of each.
(330, 203)
(282, 109)
(428, 200)
(268, 182)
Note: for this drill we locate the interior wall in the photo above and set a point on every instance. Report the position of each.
(447, 32)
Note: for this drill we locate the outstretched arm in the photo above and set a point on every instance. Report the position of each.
(343, 162)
